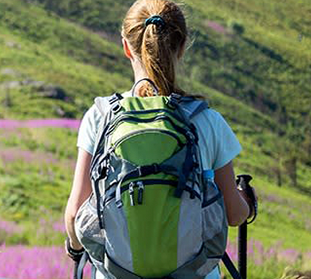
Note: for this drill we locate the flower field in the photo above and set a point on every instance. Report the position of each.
(51, 262)
(39, 123)
(22, 262)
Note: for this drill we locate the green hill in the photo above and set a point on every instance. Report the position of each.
(250, 58)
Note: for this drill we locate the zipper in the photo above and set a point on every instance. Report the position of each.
(137, 112)
(147, 120)
(131, 193)
(141, 186)
(120, 140)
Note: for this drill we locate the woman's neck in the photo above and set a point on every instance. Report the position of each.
(139, 70)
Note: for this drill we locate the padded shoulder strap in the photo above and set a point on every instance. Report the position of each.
(193, 108)
(200, 107)
(104, 107)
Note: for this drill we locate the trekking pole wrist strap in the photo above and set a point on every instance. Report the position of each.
(73, 252)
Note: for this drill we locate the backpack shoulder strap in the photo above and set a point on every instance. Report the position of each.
(193, 107)
(201, 106)
(106, 104)
(104, 107)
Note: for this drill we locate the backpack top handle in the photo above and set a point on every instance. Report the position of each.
(154, 87)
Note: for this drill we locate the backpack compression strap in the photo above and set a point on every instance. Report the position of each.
(80, 266)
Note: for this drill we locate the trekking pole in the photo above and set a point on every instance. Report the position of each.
(242, 248)
(243, 184)
(75, 271)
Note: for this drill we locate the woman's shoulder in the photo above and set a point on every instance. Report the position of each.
(210, 116)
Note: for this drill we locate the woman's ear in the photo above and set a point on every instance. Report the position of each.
(126, 49)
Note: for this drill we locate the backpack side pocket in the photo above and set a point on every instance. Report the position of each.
(88, 231)
(214, 221)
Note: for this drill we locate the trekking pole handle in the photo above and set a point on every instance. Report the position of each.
(243, 184)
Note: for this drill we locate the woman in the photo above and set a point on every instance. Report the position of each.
(154, 37)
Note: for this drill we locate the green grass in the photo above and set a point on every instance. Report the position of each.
(258, 79)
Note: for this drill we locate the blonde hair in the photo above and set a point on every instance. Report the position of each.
(157, 47)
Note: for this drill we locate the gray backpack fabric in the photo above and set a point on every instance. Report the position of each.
(102, 223)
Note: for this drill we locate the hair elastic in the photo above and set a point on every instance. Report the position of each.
(156, 20)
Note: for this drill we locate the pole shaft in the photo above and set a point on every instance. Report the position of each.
(243, 250)
(75, 271)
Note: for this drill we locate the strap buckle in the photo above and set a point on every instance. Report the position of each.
(174, 100)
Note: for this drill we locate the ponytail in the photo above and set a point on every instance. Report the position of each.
(157, 45)
(158, 59)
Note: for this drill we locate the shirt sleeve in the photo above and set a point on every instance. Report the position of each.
(217, 142)
(88, 130)
(227, 146)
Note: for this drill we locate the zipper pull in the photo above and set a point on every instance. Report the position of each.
(141, 188)
(131, 192)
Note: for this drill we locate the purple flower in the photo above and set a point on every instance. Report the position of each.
(9, 227)
(216, 26)
(232, 251)
(289, 255)
(59, 226)
(38, 123)
(21, 262)
(15, 154)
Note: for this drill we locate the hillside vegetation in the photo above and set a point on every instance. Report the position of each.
(250, 58)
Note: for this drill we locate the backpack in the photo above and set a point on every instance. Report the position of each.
(152, 213)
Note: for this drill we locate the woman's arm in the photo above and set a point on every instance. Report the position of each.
(236, 206)
(80, 191)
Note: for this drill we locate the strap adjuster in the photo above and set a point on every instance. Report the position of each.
(119, 203)
(150, 169)
(114, 98)
(116, 107)
(174, 100)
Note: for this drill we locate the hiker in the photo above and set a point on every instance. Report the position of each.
(154, 36)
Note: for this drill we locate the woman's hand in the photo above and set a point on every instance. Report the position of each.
(250, 196)
(250, 201)
(236, 206)
(75, 252)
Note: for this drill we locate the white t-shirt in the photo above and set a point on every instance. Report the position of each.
(218, 144)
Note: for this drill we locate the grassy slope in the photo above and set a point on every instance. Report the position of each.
(283, 27)
(52, 50)
(86, 66)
